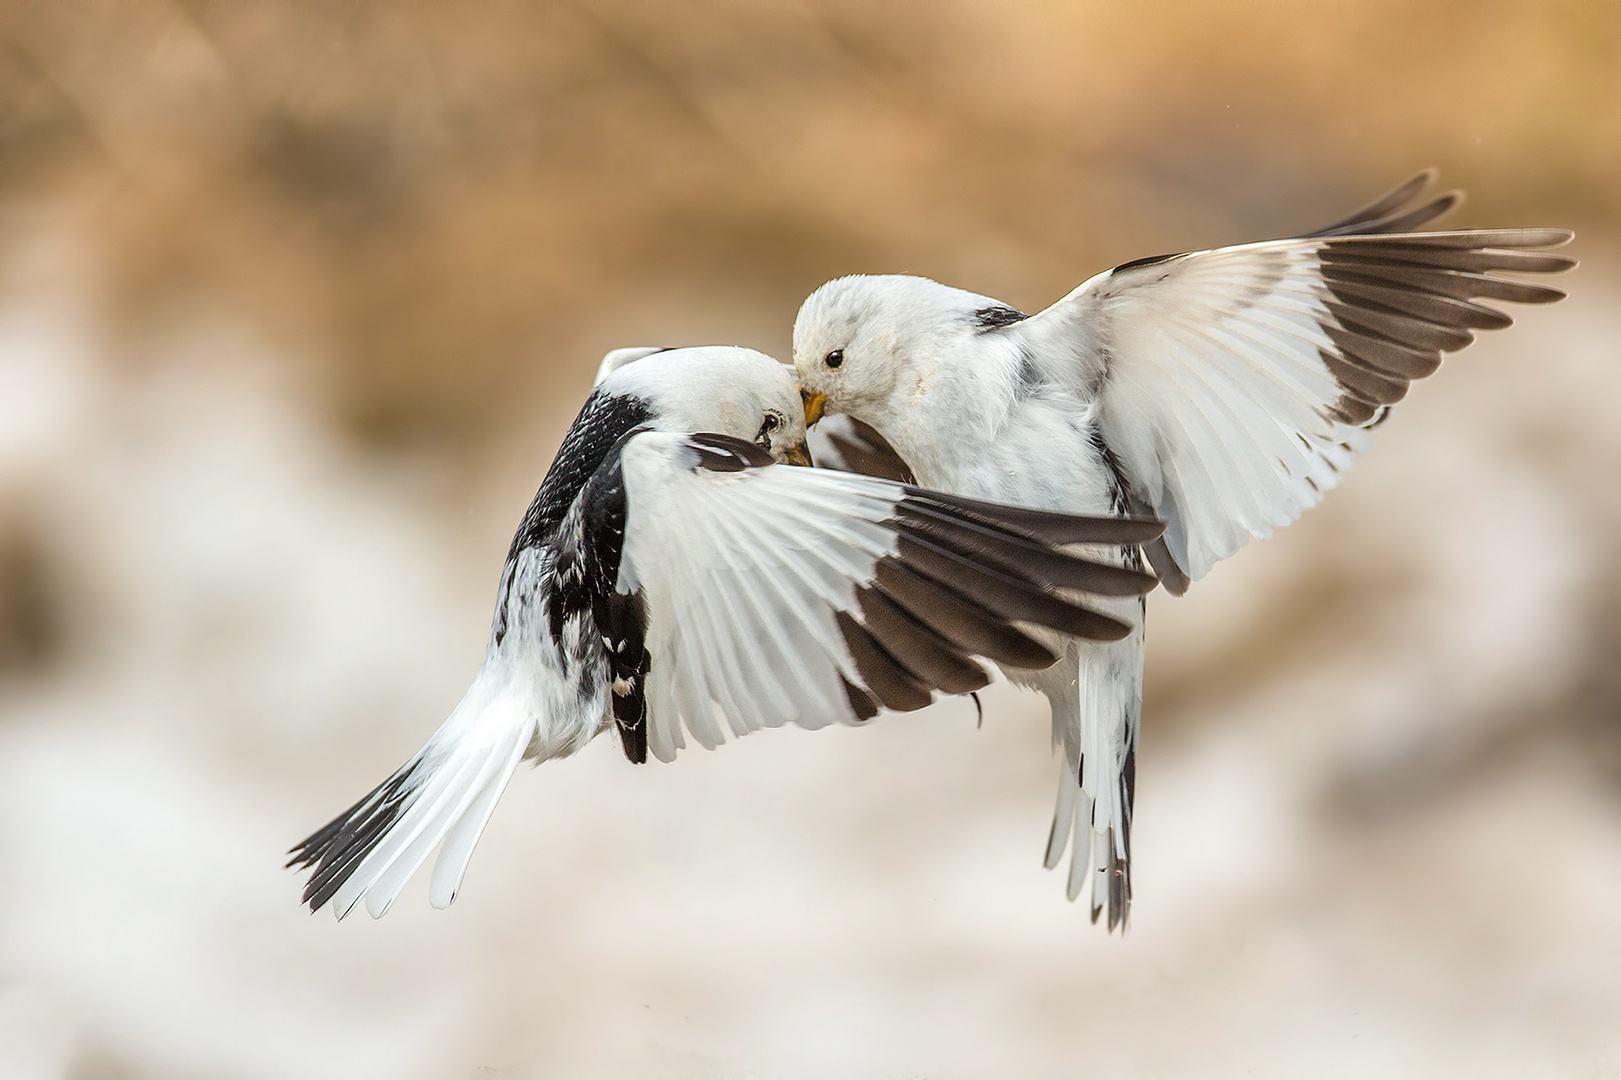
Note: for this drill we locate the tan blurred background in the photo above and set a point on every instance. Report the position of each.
(296, 300)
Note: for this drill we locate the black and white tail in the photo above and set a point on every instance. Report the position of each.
(1097, 785)
(444, 794)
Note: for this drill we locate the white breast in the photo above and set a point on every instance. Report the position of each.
(1042, 456)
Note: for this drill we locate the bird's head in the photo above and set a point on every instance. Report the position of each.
(870, 346)
(714, 388)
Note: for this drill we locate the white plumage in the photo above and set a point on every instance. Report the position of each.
(1222, 391)
(668, 579)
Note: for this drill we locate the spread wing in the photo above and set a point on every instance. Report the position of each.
(1235, 385)
(807, 596)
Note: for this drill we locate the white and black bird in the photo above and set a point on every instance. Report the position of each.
(668, 567)
(1221, 391)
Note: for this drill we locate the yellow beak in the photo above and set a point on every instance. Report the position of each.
(814, 405)
(798, 455)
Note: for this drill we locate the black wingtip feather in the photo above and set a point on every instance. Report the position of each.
(932, 660)
(967, 626)
(1401, 300)
(1171, 576)
(862, 704)
(1015, 554)
(888, 680)
(863, 450)
(1045, 526)
(1008, 597)
(1386, 212)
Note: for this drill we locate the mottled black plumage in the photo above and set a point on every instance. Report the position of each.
(586, 574)
(1119, 484)
(600, 428)
(623, 621)
(938, 580)
(583, 583)
(621, 618)
(603, 421)
(584, 474)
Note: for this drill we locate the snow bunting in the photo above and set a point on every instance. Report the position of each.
(667, 566)
(1222, 391)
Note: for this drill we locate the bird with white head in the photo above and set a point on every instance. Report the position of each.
(1222, 391)
(670, 576)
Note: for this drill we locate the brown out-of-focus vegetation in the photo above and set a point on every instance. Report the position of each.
(295, 300)
(443, 201)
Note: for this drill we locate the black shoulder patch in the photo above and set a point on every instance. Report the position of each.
(722, 453)
(997, 316)
(1137, 264)
(602, 422)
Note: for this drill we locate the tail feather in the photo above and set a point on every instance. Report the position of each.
(385, 871)
(457, 850)
(1100, 878)
(1063, 818)
(445, 793)
(336, 849)
(1080, 858)
(1095, 721)
(1100, 852)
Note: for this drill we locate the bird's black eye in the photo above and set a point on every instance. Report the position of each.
(834, 358)
(771, 423)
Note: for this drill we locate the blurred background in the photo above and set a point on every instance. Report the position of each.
(296, 301)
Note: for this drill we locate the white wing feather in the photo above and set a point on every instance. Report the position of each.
(741, 574)
(747, 580)
(1213, 391)
(1236, 385)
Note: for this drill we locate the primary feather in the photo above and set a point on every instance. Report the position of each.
(668, 576)
(1221, 391)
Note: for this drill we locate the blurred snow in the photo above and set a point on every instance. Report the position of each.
(1371, 840)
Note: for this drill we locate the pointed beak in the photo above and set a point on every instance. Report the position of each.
(814, 406)
(799, 455)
